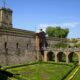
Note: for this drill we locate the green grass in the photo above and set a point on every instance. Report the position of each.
(77, 75)
(41, 71)
(71, 75)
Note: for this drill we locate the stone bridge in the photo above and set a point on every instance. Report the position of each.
(57, 54)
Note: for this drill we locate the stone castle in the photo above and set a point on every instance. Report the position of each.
(16, 46)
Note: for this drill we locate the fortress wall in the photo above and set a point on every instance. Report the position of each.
(16, 50)
(19, 50)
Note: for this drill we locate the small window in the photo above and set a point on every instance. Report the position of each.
(5, 44)
(27, 46)
(17, 45)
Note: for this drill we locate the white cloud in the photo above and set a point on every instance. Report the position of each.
(63, 25)
(70, 24)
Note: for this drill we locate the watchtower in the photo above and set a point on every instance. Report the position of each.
(5, 16)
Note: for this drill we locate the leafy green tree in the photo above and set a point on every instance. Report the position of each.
(57, 32)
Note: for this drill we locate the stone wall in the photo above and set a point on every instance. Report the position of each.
(16, 50)
(18, 46)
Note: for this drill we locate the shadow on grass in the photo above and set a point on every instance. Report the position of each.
(4, 75)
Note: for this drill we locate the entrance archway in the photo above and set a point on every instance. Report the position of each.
(50, 56)
(73, 57)
(61, 57)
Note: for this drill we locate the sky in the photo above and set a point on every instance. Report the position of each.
(35, 14)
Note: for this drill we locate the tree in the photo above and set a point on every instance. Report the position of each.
(57, 32)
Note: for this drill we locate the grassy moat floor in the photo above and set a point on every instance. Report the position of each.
(42, 71)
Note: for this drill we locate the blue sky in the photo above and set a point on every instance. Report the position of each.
(35, 14)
